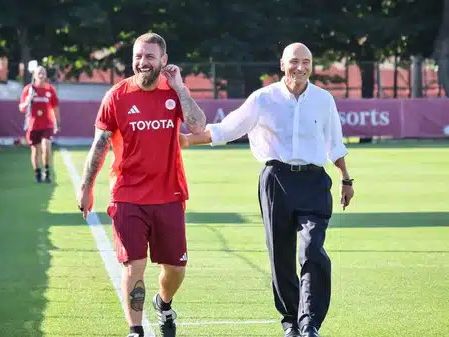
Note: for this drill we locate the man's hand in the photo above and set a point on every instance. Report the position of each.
(27, 102)
(347, 192)
(85, 200)
(183, 141)
(173, 75)
(200, 138)
(194, 117)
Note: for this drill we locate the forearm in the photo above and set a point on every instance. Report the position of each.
(341, 165)
(95, 158)
(24, 105)
(194, 117)
(57, 116)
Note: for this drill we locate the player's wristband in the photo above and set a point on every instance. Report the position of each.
(347, 182)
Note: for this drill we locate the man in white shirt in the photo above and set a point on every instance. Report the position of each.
(293, 127)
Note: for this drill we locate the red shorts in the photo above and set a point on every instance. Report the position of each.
(35, 137)
(161, 228)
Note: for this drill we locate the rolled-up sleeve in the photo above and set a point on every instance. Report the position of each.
(334, 135)
(236, 124)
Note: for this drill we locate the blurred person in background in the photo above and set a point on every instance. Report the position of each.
(293, 128)
(40, 104)
(141, 117)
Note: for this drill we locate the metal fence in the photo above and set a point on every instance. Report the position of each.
(392, 79)
(343, 80)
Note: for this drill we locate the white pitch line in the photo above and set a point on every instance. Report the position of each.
(113, 267)
(247, 322)
(103, 243)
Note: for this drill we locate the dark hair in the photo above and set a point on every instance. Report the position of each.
(153, 38)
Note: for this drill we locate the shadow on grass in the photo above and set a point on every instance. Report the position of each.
(382, 144)
(402, 143)
(342, 220)
(216, 217)
(403, 219)
(24, 246)
(237, 253)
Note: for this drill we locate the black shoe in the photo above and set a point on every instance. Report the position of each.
(166, 320)
(291, 332)
(38, 176)
(47, 177)
(309, 331)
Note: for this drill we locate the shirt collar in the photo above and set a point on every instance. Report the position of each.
(287, 92)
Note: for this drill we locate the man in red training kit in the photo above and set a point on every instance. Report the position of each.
(39, 102)
(140, 117)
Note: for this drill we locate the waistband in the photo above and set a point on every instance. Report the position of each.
(293, 168)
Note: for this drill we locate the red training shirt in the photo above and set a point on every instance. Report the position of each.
(147, 166)
(44, 101)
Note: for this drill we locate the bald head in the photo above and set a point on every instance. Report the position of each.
(296, 63)
(296, 48)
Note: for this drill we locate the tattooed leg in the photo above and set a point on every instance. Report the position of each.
(137, 296)
(133, 289)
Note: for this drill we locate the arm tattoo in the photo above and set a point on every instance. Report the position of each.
(137, 296)
(194, 117)
(96, 156)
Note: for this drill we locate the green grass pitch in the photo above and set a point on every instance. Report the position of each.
(389, 249)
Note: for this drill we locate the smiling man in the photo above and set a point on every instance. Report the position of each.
(140, 117)
(293, 128)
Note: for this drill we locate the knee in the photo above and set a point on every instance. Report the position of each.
(46, 144)
(135, 267)
(173, 271)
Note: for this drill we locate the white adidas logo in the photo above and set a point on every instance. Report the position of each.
(133, 110)
(183, 257)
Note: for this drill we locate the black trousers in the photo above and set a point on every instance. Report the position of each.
(292, 203)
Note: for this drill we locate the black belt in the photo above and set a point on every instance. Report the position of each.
(293, 168)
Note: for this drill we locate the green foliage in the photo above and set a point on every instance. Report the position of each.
(199, 31)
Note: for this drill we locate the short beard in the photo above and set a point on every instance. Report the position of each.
(146, 80)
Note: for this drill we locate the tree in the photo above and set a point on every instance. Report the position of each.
(442, 49)
(55, 32)
(82, 35)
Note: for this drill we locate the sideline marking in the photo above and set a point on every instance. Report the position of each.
(113, 267)
(103, 244)
(227, 322)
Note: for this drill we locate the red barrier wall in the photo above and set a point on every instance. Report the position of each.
(360, 117)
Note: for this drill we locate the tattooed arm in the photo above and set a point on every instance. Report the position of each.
(194, 117)
(94, 162)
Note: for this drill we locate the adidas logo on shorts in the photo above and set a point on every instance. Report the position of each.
(183, 257)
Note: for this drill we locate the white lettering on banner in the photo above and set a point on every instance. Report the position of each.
(219, 116)
(362, 118)
(152, 124)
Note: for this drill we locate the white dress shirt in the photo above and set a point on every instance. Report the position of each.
(299, 131)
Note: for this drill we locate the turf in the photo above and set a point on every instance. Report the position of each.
(390, 249)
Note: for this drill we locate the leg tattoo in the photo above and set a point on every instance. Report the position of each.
(137, 296)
